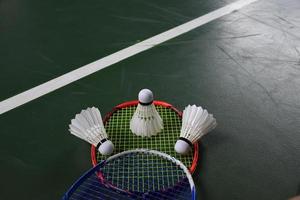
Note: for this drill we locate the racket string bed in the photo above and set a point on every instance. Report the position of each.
(117, 127)
(151, 176)
(92, 189)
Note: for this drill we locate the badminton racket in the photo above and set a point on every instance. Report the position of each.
(117, 126)
(135, 174)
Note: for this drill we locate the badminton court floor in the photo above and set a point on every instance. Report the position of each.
(244, 67)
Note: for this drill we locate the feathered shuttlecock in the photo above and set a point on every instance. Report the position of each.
(196, 122)
(88, 126)
(146, 120)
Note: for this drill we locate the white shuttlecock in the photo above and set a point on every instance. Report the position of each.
(146, 120)
(88, 126)
(196, 122)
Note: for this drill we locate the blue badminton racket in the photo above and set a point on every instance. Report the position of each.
(135, 174)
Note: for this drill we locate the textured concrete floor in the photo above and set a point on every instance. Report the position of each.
(244, 68)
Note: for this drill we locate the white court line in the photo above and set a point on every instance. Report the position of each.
(102, 63)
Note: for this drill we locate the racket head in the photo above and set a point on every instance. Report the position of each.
(117, 123)
(135, 174)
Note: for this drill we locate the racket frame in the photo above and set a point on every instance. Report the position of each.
(95, 169)
(193, 166)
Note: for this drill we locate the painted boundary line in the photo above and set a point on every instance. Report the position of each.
(102, 63)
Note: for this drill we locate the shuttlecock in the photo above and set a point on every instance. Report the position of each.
(146, 120)
(88, 126)
(196, 122)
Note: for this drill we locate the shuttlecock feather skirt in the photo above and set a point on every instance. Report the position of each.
(146, 121)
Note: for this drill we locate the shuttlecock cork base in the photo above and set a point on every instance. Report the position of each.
(88, 126)
(196, 122)
(105, 147)
(146, 121)
(183, 145)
